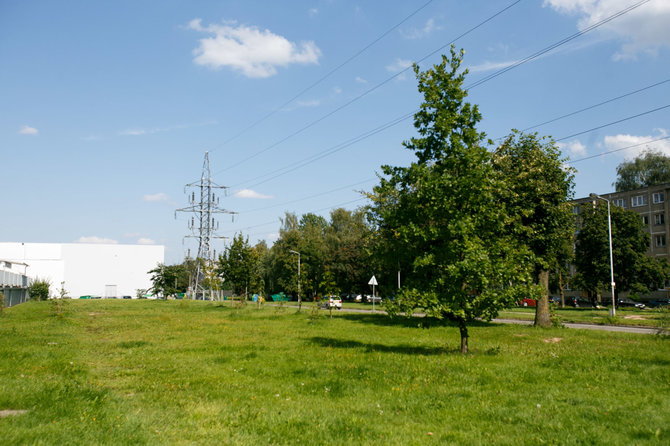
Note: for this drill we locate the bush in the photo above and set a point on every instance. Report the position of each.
(39, 289)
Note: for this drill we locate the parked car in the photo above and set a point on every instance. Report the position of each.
(527, 302)
(376, 299)
(625, 302)
(578, 302)
(661, 302)
(329, 302)
(127, 297)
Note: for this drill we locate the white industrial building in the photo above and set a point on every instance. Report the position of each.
(105, 270)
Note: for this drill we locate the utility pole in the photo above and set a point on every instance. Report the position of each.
(203, 224)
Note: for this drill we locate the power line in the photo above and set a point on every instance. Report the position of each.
(591, 107)
(559, 43)
(612, 123)
(309, 197)
(330, 151)
(313, 211)
(365, 93)
(397, 120)
(617, 150)
(326, 76)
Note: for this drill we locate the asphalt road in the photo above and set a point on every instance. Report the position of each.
(611, 328)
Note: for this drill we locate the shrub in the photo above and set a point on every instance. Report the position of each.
(39, 289)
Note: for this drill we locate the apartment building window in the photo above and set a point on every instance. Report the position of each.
(620, 202)
(575, 210)
(659, 219)
(638, 200)
(658, 197)
(645, 219)
(660, 240)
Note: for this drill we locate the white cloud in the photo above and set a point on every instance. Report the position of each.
(151, 131)
(337, 90)
(145, 241)
(255, 53)
(272, 237)
(96, 240)
(313, 12)
(574, 148)
(617, 142)
(27, 130)
(490, 66)
(360, 80)
(309, 103)
(399, 65)
(417, 33)
(133, 132)
(644, 29)
(159, 197)
(248, 193)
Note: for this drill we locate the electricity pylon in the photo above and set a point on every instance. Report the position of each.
(206, 226)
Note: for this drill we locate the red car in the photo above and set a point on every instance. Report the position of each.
(528, 303)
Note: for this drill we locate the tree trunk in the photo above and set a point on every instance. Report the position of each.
(560, 287)
(464, 336)
(542, 316)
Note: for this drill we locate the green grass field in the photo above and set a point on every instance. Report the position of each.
(184, 372)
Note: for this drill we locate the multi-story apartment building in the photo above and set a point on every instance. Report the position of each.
(653, 206)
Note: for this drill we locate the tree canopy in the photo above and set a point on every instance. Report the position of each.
(443, 212)
(169, 280)
(240, 266)
(633, 269)
(649, 169)
(536, 190)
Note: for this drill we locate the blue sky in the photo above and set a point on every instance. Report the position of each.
(107, 108)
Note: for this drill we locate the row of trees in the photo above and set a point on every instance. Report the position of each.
(336, 256)
(472, 227)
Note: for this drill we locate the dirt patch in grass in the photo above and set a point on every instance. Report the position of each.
(11, 413)
(636, 317)
(552, 340)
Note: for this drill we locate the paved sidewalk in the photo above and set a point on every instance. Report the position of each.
(611, 328)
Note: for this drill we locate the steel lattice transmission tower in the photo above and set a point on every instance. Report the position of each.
(203, 224)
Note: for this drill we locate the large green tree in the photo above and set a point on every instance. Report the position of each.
(649, 169)
(536, 190)
(443, 212)
(633, 269)
(240, 265)
(347, 237)
(169, 280)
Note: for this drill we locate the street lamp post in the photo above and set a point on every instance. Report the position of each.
(609, 227)
(299, 301)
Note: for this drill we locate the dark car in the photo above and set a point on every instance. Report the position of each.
(662, 302)
(578, 302)
(625, 302)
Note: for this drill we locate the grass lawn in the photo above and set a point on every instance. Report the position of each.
(184, 372)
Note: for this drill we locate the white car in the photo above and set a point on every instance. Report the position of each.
(332, 302)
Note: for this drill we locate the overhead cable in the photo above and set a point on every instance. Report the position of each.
(397, 120)
(365, 93)
(324, 77)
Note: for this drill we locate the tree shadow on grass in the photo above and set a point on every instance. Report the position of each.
(408, 322)
(405, 349)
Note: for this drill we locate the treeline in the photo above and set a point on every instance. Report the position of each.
(336, 256)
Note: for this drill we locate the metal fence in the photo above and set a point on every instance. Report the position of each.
(14, 287)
